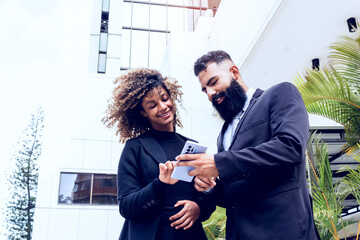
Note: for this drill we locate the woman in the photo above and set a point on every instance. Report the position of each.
(154, 205)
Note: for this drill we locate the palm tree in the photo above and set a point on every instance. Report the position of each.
(334, 92)
(327, 197)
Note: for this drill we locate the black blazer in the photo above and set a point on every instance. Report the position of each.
(262, 175)
(140, 192)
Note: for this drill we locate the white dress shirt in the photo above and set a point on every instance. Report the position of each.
(228, 135)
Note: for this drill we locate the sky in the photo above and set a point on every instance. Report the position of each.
(41, 64)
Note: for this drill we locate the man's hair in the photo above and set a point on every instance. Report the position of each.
(211, 57)
(125, 106)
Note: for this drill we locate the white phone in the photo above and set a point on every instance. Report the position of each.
(181, 172)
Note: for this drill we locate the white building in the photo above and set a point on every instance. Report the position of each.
(270, 40)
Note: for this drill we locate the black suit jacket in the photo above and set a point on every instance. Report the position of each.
(141, 193)
(262, 175)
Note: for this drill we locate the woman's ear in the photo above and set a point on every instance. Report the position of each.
(143, 113)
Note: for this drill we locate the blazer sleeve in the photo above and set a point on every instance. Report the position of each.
(288, 120)
(136, 200)
(206, 204)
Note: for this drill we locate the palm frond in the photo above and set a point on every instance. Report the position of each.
(345, 57)
(327, 199)
(327, 94)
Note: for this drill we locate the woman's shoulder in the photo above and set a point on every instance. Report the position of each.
(137, 140)
(185, 138)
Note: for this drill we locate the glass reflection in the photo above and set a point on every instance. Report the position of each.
(75, 188)
(104, 189)
(86, 188)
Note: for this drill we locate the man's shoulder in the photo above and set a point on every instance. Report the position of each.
(282, 86)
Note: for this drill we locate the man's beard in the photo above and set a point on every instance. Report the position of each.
(233, 103)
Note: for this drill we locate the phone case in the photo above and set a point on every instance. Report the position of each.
(181, 172)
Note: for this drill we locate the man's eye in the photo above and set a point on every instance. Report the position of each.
(213, 82)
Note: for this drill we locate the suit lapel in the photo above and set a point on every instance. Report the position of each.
(153, 148)
(220, 138)
(253, 100)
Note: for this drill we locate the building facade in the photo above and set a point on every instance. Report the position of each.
(270, 41)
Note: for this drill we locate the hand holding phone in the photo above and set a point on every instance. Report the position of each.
(181, 172)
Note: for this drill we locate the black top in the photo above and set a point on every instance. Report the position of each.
(172, 145)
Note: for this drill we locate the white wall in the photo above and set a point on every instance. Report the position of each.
(270, 40)
(77, 141)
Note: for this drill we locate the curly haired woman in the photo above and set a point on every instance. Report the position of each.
(154, 205)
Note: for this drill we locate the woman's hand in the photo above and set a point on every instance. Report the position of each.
(187, 216)
(165, 173)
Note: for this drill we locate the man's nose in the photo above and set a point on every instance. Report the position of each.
(210, 92)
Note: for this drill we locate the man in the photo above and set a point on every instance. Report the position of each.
(260, 164)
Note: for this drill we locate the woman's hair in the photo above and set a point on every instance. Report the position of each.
(125, 104)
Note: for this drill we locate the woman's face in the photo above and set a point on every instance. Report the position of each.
(158, 108)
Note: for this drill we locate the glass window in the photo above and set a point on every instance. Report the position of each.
(139, 49)
(158, 17)
(125, 48)
(140, 17)
(176, 19)
(157, 49)
(75, 188)
(102, 63)
(87, 188)
(105, 5)
(103, 42)
(104, 190)
(126, 14)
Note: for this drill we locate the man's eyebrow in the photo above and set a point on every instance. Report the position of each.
(208, 82)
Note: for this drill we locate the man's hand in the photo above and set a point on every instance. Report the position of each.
(204, 164)
(203, 183)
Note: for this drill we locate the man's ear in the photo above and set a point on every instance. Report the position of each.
(143, 113)
(235, 72)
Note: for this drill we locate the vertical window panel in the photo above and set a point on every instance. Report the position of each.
(125, 49)
(140, 16)
(126, 14)
(176, 19)
(158, 17)
(103, 42)
(139, 49)
(105, 5)
(157, 49)
(102, 63)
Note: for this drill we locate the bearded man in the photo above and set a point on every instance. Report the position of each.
(260, 165)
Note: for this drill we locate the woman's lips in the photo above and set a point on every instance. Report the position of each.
(165, 115)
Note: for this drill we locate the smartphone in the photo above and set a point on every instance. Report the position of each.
(181, 172)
